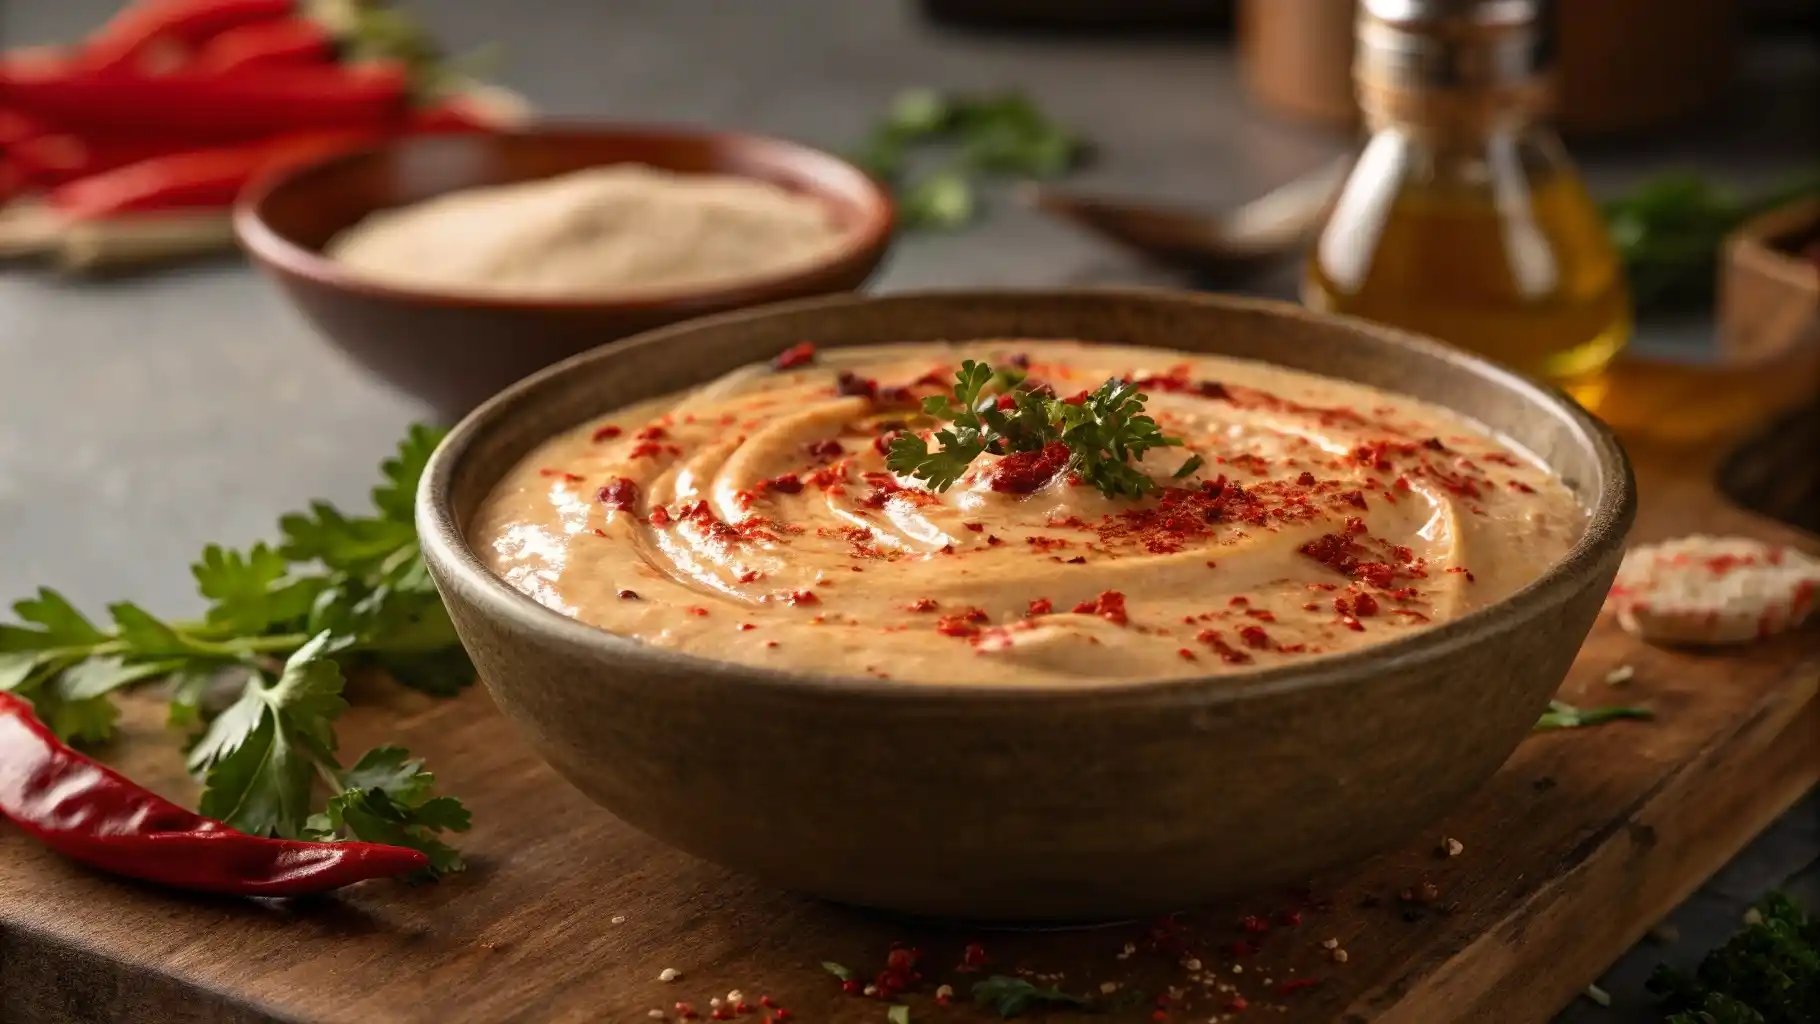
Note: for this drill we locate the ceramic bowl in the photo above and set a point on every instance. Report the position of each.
(1057, 803)
(454, 350)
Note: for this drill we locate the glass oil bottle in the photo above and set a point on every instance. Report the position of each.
(1463, 217)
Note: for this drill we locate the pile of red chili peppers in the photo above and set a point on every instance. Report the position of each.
(177, 104)
(95, 815)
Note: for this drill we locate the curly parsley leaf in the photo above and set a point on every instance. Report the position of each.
(1013, 997)
(386, 798)
(1105, 432)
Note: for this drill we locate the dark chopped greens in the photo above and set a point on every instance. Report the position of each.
(1769, 973)
(1013, 997)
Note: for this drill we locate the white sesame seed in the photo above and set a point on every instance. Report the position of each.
(871, 990)
(1454, 846)
(618, 919)
(668, 974)
(714, 1003)
(1108, 987)
(944, 992)
(1130, 948)
(1238, 968)
(655, 1014)
(1620, 675)
(1340, 957)
(736, 996)
(1191, 964)
(1330, 943)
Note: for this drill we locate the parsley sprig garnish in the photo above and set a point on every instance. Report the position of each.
(1105, 432)
(281, 623)
(1769, 973)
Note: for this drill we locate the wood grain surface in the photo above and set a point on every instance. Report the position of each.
(1570, 853)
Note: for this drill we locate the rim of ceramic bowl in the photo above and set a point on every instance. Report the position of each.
(1609, 519)
(866, 239)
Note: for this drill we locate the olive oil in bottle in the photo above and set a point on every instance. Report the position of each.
(1463, 217)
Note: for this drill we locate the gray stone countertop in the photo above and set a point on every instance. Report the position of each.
(143, 418)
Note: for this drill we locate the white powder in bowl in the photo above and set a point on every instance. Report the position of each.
(596, 233)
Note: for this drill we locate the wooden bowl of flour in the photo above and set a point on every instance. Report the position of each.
(452, 346)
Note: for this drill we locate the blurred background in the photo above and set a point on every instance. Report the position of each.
(152, 407)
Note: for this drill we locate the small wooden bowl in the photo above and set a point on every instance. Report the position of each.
(1028, 803)
(454, 350)
(1769, 286)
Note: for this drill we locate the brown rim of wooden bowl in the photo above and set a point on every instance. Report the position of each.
(833, 176)
(1609, 520)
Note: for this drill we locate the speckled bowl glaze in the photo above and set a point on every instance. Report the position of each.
(1025, 803)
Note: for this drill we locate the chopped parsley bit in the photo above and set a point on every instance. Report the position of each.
(1012, 997)
(898, 1014)
(838, 970)
(1104, 432)
(1562, 715)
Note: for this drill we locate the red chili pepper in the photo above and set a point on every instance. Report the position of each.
(208, 178)
(93, 814)
(134, 37)
(51, 160)
(290, 43)
(16, 128)
(455, 115)
(211, 107)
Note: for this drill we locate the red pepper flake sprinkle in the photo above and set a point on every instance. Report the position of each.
(1110, 605)
(1254, 924)
(992, 540)
(1306, 479)
(1365, 606)
(699, 612)
(1254, 636)
(796, 355)
(1237, 1004)
(784, 483)
(1260, 614)
(974, 956)
(805, 597)
(628, 595)
(1294, 985)
(1040, 606)
(573, 478)
(607, 433)
(923, 604)
(1024, 472)
(826, 449)
(975, 527)
(1228, 653)
(852, 385)
(619, 494)
(652, 433)
(1521, 488)
(1187, 655)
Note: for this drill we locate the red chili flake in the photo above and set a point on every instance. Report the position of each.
(1024, 472)
(1521, 488)
(992, 540)
(1078, 560)
(660, 516)
(1110, 605)
(853, 385)
(882, 443)
(1295, 985)
(1186, 654)
(1364, 606)
(805, 597)
(1353, 498)
(748, 576)
(794, 356)
(699, 612)
(1213, 389)
(628, 595)
(922, 604)
(1254, 636)
(653, 432)
(1291, 918)
(1040, 606)
(1239, 601)
(1237, 1004)
(826, 449)
(607, 433)
(1469, 576)
(573, 478)
(956, 625)
(1045, 543)
(685, 1011)
(746, 627)
(619, 494)
(721, 1013)
(1254, 924)
(1076, 399)
(974, 956)
(1260, 614)
(785, 483)
(1306, 479)
(1228, 653)
(853, 986)
(1005, 402)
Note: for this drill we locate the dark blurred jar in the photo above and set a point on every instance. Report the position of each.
(1625, 66)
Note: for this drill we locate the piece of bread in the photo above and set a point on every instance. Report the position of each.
(1713, 590)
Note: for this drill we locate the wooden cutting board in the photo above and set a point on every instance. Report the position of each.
(1570, 853)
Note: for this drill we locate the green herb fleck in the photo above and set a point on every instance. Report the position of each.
(838, 970)
(1769, 973)
(1013, 997)
(1562, 715)
(898, 1014)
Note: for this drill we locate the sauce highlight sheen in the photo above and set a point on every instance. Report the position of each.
(753, 520)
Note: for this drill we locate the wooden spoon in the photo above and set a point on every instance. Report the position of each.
(1234, 246)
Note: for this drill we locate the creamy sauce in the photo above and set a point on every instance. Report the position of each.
(592, 234)
(753, 521)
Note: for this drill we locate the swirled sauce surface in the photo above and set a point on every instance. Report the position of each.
(753, 520)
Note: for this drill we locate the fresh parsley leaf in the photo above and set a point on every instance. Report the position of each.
(61, 624)
(941, 200)
(396, 498)
(1194, 462)
(898, 1014)
(1562, 715)
(386, 799)
(259, 759)
(1013, 997)
(838, 970)
(252, 592)
(1105, 433)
